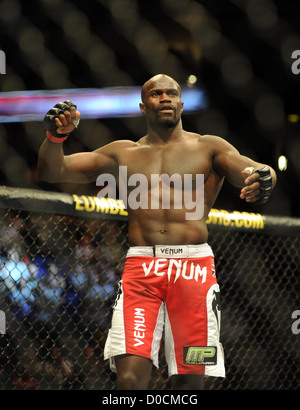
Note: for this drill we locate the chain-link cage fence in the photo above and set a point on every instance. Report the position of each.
(58, 281)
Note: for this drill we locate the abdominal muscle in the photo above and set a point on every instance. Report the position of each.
(161, 227)
(171, 226)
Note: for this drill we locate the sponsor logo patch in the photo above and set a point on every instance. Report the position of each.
(200, 355)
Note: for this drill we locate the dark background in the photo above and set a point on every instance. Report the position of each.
(239, 50)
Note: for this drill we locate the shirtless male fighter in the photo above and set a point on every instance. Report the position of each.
(169, 283)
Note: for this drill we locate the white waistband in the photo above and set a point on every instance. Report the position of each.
(171, 251)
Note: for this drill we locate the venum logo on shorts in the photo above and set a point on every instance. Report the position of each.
(139, 326)
(200, 355)
(188, 270)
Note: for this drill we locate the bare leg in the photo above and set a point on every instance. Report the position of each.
(133, 372)
(187, 382)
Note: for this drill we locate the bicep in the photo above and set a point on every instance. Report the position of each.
(84, 167)
(229, 162)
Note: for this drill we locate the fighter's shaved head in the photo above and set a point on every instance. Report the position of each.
(159, 81)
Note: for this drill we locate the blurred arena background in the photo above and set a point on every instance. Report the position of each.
(239, 52)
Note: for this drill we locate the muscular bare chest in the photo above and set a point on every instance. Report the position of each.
(181, 158)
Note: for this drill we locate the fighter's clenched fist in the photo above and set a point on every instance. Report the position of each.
(258, 184)
(61, 120)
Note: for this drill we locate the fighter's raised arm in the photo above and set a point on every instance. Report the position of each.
(53, 166)
(255, 179)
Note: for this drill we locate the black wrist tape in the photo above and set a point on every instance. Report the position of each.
(266, 183)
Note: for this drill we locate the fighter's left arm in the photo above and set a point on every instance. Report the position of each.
(256, 180)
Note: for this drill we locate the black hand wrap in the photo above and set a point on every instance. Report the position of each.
(58, 109)
(266, 183)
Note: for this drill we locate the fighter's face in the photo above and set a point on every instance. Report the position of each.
(162, 103)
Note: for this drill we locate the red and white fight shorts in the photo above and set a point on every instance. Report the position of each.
(170, 289)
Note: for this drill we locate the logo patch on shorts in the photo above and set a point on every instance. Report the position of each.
(201, 355)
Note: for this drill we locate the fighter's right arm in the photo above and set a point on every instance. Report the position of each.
(53, 166)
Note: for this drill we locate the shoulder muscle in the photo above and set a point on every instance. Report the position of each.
(86, 166)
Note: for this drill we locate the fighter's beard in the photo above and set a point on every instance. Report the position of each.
(165, 123)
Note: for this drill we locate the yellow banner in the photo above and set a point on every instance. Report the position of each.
(235, 219)
(102, 205)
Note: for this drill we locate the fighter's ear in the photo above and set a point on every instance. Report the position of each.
(142, 108)
(181, 107)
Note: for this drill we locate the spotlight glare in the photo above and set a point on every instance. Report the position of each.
(282, 163)
(191, 80)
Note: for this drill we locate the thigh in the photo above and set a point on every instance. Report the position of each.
(192, 320)
(138, 317)
(143, 315)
